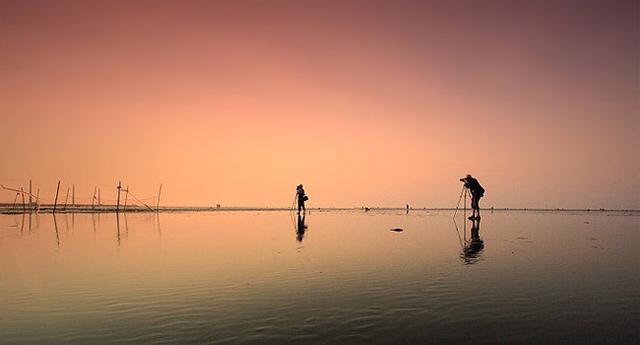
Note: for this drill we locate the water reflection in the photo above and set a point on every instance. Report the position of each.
(471, 247)
(237, 275)
(118, 227)
(55, 226)
(301, 227)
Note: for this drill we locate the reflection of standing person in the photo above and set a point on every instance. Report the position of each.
(301, 228)
(475, 244)
(302, 197)
(477, 192)
(475, 234)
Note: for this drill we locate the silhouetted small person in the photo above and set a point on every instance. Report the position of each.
(301, 197)
(477, 192)
(301, 228)
(407, 208)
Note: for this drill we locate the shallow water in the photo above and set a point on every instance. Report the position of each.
(252, 278)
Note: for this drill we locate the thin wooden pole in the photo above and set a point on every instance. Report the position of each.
(24, 207)
(38, 200)
(93, 200)
(30, 199)
(55, 201)
(158, 204)
(15, 200)
(73, 195)
(98, 197)
(66, 198)
(126, 197)
(118, 198)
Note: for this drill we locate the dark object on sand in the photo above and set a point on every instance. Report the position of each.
(396, 230)
(366, 209)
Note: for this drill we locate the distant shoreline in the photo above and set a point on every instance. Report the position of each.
(18, 209)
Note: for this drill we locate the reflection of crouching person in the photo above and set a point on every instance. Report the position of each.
(477, 192)
(302, 197)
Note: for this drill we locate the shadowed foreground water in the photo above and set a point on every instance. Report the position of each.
(263, 278)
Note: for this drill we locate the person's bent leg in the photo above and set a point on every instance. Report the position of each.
(474, 205)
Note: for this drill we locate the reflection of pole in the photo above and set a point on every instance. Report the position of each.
(158, 204)
(55, 202)
(55, 226)
(158, 225)
(126, 226)
(118, 226)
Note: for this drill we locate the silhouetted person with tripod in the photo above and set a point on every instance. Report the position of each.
(302, 197)
(477, 192)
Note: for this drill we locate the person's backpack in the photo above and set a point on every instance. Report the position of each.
(305, 198)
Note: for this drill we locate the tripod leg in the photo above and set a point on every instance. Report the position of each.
(465, 204)
(459, 199)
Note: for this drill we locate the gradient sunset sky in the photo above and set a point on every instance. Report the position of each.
(367, 103)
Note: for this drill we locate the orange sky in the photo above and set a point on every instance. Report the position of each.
(376, 103)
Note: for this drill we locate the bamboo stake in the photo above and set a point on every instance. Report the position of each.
(24, 207)
(38, 200)
(66, 198)
(126, 197)
(118, 198)
(158, 204)
(55, 202)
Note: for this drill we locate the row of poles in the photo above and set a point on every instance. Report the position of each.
(94, 200)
